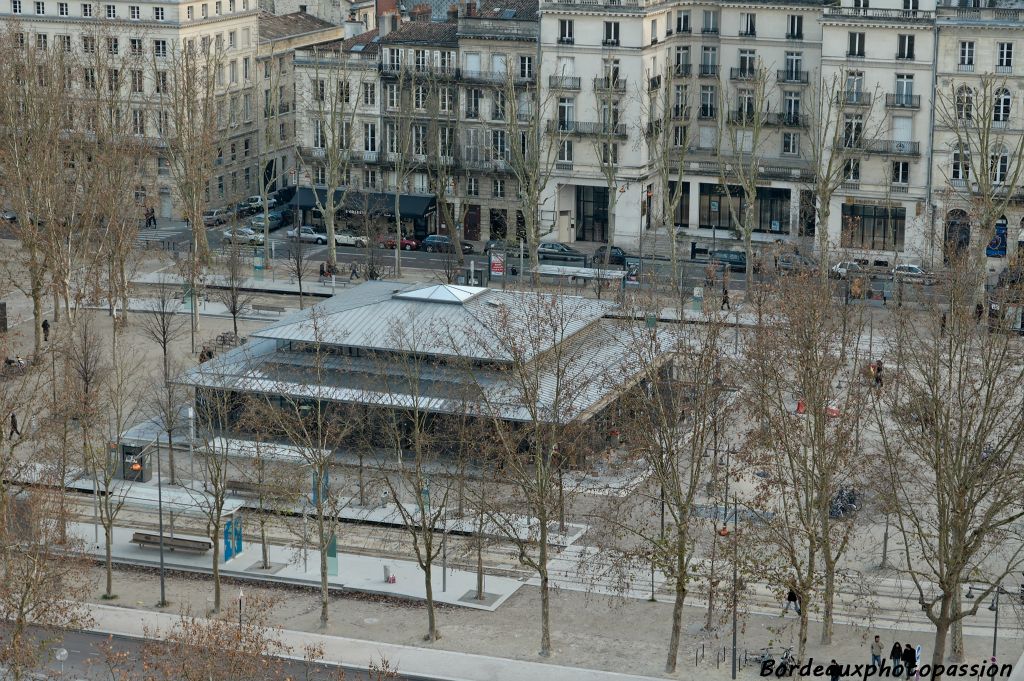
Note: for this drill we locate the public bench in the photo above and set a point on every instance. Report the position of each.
(258, 307)
(144, 539)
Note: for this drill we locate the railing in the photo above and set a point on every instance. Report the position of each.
(892, 147)
(899, 188)
(1004, 69)
(709, 30)
(617, 84)
(391, 69)
(682, 69)
(965, 68)
(742, 74)
(707, 112)
(566, 40)
(708, 70)
(915, 15)
(903, 101)
(587, 128)
(747, 34)
(794, 36)
(684, 29)
(563, 165)
(610, 42)
(370, 156)
(472, 114)
(614, 5)
(854, 55)
(853, 98)
(680, 111)
(498, 77)
(792, 76)
(564, 82)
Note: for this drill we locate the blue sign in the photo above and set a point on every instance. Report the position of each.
(228, 544)
(997, 246)
(238, 535)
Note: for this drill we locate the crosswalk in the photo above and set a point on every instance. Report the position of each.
(154, 238)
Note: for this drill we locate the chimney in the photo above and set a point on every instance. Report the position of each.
(421, 12)
(385, 24)
(453, 14)
(471, 8)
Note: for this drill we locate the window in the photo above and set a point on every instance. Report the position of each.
(1004, 58)
(966, 55)
(369, 178)
(393, 98)
(420, 60)
(679, 136)
(246, 69)
(216, 8)
(87, 10)
(792, 103)
(911, 6)
(905, 47)
(369, 137)
(708, 99)
(526, 67)
(445, 99)
(851, 170)
(960, 169)
(473, 99)
(420, 97)
(791, 143)
(447, 61)
(41, 41)
(498, 189)
(345, 91)
(999, 165)
(134, 12)
(710, 24)
(795, 27)
(566, 112)
(853, 130)
(189, 13)
(160, 48)
(499, 146)
(1001, 106)
(160, 82)
(654, 31)
(369, 94)
(794, 66)
(861, 4)
(139, 122)
(113, 80)
(473, 186)
(904, 89)
(748, 24)
(565, 31)
(113, 46)
(64, 42)
(748, 59)
(609, 154)
(62, 9)
(111, 11)
(873, 227)
(204, 10)
(89, 78)
(232, 39)
(682, 22)
(88, 44)
(856, 45)
(319, 134)
(901, 172)
(137, 80)
(419, 139)
(565, 151)
(15, 6)
(611, 33)
(964, 103)
(40, 7)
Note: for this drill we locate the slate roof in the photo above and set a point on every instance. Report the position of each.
(508, 9)
(277, 26)
(424, 33)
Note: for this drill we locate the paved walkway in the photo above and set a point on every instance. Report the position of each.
(292, 565)
(417, 662)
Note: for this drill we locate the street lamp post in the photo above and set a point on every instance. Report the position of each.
(994, 607)
(160, 517)
(241, 600)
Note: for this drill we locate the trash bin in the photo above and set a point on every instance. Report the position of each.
(387, 574)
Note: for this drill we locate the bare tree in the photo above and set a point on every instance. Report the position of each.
(232, 292)
(605, 144)
(161, 322)
(298, 264)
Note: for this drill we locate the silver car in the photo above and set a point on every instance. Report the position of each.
(308, 234)
(243, 235)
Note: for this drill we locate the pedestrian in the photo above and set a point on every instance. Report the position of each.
(725, 300)
(46, 330)
(909, 659)
(14, 426)
(979, 312)
(791, 600)
(896, 654)
(876, 652)
(878, 374)
(323, 272)
(834, 670)
(354, 274)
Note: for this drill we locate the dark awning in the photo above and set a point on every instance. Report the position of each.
(411, 206)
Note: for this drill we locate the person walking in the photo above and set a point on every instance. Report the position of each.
(791, 600)
(323, 272)
(878, 374)
(354, 274)
(909, 659)
(876, 652)
(46, 330)
(896, 654)
(725, 291)
(14, 426)
(834, 670)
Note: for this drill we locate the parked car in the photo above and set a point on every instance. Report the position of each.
(559, 251)
(794, 263)
(345, 237)
(617, 256)
(9, 216)
(912, 273)
(509, 246)
(256, 202)
(308, 234)
(243, 235)
(216, 216)
(273, 219)
(243, 210)
(443, 244)
(408, 243)
(734, 260)
(846, 269)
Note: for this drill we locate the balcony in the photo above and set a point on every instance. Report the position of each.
(368, 156)
(496, 77)
(747, 34)
(654, 83)
(1004, 69)
(708, 71)
(614, 84)
(709, 30)
(683, 29)
(792, 76)
(564, 82)
(854, 55)
(965, 68)
(707, 111)
(881, 15)
(682, 69)
(892, 147)
(587, 128)
(902, 101)
(897, 188)
(794, 36)
(563, 165)
(610, 42)
(904, 56)
(853, 98)
(742, 74)
(566, 40)
(741, 116)
(680, 112)
(618, 6)
(417, 70)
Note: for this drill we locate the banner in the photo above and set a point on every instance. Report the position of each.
(497, 264)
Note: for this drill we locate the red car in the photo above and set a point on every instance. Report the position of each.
(407, 243)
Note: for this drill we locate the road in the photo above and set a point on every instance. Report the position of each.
(85, 661)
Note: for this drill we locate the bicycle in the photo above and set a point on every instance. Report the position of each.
(787, 658)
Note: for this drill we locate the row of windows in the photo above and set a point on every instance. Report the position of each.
(899, 171)
(709, 25)
(218, 7)
(90, 10)
(445, 61)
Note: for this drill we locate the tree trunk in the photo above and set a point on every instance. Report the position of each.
(480, 565)
(216, 567)
(712, 588)
(107, 532)
(956, 632)
(324, 540)
(170, 457)
(677, 613)
(545, 592)
(829, 598)
(801, 647)
(37, 315)
(941, 631)
(428, 583)
(234, 319)
(362, 485)
(264, 548)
